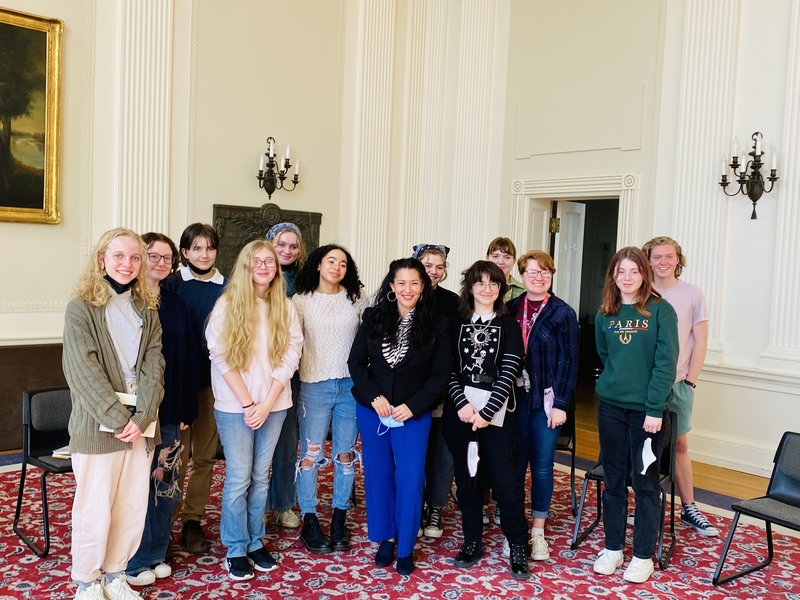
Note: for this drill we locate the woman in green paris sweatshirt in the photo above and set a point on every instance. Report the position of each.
(637, 339)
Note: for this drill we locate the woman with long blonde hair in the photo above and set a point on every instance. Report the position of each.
(112, 354)
(254, 341)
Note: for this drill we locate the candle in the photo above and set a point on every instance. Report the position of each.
(271, 154)
(261, 163)
(724, 165)
(287, 150)
(774, 160)
(280, 164)
(758, 147)
(735, 147)
(297, 168)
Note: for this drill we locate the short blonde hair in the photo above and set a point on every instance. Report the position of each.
(92, 287)
(540, 256)
(663, 240)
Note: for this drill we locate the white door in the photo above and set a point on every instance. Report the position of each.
(539, 226)
(569, 253)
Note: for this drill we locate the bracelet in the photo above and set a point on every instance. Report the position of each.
(376, 399)
(691, 384)
(249, 405)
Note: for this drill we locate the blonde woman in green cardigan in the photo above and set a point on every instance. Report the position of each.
(112, 352)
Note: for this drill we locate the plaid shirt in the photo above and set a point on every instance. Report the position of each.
(552, 353)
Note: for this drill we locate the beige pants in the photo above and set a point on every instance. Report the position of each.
(108, 510)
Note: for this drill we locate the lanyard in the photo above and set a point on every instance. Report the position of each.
(527, 324)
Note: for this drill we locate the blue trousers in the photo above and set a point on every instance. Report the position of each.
(538, 449)
(284, 463)
(394, 477)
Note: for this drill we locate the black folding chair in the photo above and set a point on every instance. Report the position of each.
(566, 443)
(45, 417)
(781, 505)
(667, 471)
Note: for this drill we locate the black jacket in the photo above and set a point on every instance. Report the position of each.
(417, 381)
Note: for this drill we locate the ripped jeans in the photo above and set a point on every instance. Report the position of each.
(324, 404)
(164, 494)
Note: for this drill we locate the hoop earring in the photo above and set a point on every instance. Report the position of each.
(391, 299)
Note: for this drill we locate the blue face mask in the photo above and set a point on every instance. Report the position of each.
(388, 422)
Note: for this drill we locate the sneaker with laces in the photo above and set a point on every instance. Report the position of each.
(539, 548)
(119, 589)
(239, 568)
(288, 519)
(433, 523)
(608, 562)
(691, 515)
(497, 515)
(639, 570)
(262, 560)
(146, 577)
(506, 549)
(93, 592)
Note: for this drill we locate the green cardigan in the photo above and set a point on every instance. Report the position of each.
(94, 374)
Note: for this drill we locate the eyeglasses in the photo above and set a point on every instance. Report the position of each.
(482, 285)
(267, 262)
(533, 274)
(157, 258)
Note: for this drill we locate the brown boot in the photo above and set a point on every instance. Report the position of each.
(193, 537)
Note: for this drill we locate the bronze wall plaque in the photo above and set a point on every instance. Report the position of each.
(239, 225)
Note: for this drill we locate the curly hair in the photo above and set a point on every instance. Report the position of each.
(384, 317)
(612, 297)
(473, 275)
(307, 279)
(663, 240)
(240, 304)
(91, 286)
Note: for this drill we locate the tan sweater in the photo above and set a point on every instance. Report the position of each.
(94, 375)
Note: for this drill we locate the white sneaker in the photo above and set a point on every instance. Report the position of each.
(608, 562)
(146, 577)
(639, 570)
(506, 549)
(540, 550)
(119, 590)
(93, 592)
(161, 570)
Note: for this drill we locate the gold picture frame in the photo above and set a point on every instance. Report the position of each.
(30, 117)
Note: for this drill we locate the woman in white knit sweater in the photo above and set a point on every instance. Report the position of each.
(254, 341)
(329, 304)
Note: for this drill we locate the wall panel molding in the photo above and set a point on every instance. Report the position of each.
(707, 89)
(783, 352)
(145, 89)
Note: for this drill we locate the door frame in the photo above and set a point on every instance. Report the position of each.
(624, 186)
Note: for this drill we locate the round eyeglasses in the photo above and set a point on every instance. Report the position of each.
(533, 274)
(267, 262)
(157, 258)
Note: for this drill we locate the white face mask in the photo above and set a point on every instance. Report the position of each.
(648, 458)
(388, 422)
(473, 458)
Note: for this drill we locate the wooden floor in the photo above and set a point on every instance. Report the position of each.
(706, 477)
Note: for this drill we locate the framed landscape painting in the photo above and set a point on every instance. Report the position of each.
(30, 76)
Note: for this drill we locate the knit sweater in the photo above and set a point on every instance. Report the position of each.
(639, 354)
(94, 375)
(330, 323)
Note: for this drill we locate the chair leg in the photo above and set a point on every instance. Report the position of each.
(573, 496)
(717, 580)
(41, 553)
(577, 537)
(664, 555)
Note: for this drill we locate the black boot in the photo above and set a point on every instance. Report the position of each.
(312, 537)
(340, 537)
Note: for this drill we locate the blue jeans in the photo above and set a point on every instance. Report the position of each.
(394, 475)
(538, 448)
(324, 404)
(282, 488)
(164, 495)
(621, 440)
(248, 455)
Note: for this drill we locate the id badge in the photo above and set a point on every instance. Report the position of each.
(526, 378)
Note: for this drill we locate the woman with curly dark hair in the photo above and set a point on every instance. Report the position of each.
(329, 304)
(399, 363)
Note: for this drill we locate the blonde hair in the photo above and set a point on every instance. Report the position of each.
(666, 241)
(241, 311)
(93, 288)
(540, 256)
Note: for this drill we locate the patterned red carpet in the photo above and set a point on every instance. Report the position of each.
(567, 575)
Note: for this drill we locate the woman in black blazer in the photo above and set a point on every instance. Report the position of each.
(399, 363)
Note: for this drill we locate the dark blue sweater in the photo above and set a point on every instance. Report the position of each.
(179, 347)
(200, 297)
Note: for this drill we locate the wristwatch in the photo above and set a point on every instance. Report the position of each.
(691, 384)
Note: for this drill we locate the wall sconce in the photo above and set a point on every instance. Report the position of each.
(751, 184)
(274, 178)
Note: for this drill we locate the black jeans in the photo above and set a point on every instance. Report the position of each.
(621, 441)
(499, 450)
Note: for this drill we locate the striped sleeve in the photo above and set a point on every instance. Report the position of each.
(503, 387)
(455, 390)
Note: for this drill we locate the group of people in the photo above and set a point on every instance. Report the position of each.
(166, 360)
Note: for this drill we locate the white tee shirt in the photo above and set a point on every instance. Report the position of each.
(689, 303)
